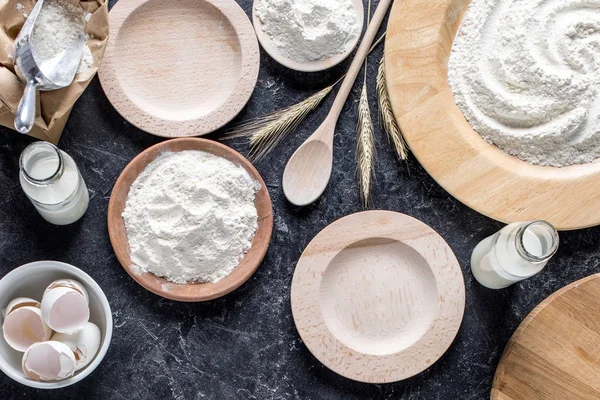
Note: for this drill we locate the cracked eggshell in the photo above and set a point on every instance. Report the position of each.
(48, 361)
(24, 326)
(20, 302)
(84, 344)
(65, 310)
(69, 283)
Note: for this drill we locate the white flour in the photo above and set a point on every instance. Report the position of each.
(526, 75)
(190, 216)
(310, 30)
(59, 24)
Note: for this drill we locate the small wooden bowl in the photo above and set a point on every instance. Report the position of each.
(191, 292)
(310, 66)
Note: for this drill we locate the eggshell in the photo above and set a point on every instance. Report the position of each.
(84, 344)
(20, 302)
(69, 283)
(65, 310)
(48, 361)
(25, 326)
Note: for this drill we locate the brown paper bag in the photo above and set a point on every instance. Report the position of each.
(54, 107)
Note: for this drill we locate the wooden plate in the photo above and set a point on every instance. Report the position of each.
(378, 296)
(555, 352)
(312, 66)
(189, 292)
(179, 68)
(418, 45)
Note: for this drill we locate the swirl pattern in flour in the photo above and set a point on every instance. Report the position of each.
(526, 75)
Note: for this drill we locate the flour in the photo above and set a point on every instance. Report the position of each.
(87, 61)
(310, 30)
(190, 216)
(526, 75)
(59, 24)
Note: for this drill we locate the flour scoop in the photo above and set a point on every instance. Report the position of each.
(42, 74)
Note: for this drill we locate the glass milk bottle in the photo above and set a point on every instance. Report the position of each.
(517, 252)
(53, 183)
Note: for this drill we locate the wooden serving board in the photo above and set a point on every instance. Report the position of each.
(555, 352)
(418, 44)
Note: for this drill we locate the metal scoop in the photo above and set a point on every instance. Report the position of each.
(53, 74)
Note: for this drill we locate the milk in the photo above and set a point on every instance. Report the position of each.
(499, 261)
(51, 180)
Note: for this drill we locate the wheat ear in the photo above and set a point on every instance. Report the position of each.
(386, 115)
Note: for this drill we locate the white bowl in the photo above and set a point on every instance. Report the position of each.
(30, 280)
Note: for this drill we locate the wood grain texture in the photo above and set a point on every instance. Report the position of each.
(308, 171)
(555, 352)
(310, 66)
(192, 292)
(419, 41)
(179, 68)
(378, 296)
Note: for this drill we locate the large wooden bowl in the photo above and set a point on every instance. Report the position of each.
(191, 292)
(418, 45)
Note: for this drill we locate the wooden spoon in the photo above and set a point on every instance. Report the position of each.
(308, 171)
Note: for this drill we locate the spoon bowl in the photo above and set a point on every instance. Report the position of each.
(318, 155)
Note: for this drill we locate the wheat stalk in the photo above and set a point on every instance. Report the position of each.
(365, 147)
(267, 131)
(365, 142)
(386, 115)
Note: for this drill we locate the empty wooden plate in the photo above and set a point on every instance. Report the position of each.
(555, 352)
(193, 291)
(179, 68)
(485, 178)
(378, 296)
(310, 66)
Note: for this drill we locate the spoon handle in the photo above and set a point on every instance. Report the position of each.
(25, 115)
(359, 58)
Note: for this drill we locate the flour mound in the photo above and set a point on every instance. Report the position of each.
(310, 30)
(190, 216)
(526, 75)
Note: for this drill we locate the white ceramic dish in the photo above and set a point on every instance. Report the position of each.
(30, 280)
(312, 66)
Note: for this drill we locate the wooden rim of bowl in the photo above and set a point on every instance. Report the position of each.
(192, 292)
(485, 178)
(143, 114)
(378, 296)
(311, 66)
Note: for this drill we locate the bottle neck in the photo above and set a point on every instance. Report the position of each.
(42, 164)
(536, 241)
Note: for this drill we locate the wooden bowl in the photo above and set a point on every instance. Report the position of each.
(485, 178)
(311, 66)
(191, 292)
(378, 296)
(179, 68)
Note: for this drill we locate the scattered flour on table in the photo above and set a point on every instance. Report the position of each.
(310, 30)
(190, 216)
(526, 75)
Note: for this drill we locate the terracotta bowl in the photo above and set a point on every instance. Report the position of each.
(191, 292)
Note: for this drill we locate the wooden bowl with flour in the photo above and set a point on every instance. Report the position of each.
(190, 292)
(485, 178)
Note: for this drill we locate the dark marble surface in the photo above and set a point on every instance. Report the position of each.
(245, 345)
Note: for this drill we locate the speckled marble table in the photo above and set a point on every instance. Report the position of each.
(245, 346)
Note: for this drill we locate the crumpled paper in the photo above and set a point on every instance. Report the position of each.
(53, 107)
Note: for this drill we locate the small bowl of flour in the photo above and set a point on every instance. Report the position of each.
(308, 35)
(190, 219)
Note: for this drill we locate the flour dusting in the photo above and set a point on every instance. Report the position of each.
(526, 75)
